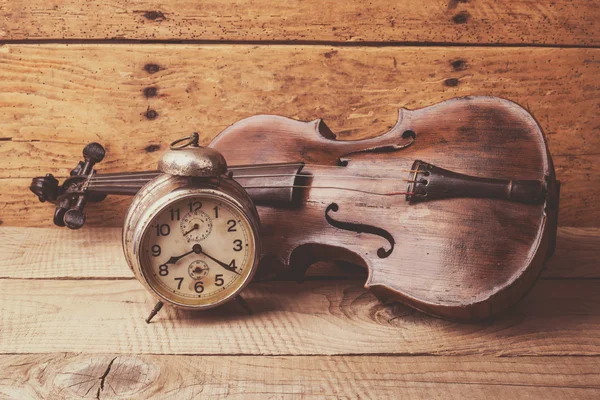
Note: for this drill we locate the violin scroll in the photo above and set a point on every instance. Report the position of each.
(45, 188)
(71, 197)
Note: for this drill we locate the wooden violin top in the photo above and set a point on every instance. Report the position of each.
(458, 258)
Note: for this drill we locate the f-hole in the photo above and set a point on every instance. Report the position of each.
(361, 228)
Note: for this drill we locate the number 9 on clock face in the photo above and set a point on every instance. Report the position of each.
(198, 251)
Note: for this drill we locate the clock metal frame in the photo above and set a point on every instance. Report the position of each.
(166, 189)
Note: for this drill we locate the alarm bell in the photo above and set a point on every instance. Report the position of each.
(186, 158)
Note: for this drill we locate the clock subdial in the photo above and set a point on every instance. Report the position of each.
(198, 270)
(196, 226)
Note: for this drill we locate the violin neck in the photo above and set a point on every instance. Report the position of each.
(265, 183)
(120, 183)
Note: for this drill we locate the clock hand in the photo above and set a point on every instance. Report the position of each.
(196, 226)
(198, 249)
(174, 259)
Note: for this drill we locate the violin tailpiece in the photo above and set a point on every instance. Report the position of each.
(429, 182)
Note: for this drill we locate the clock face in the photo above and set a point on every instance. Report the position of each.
(198, 251)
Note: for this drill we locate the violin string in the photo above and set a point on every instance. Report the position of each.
(257, 166)
(361, 168)
(121, 179)
(117, 180)
(281, 187)
(328, 187)
(231, 168)
(125, 175)
(118, 175)
(113, 186)
(317, 176)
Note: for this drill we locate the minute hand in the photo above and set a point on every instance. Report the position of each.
(221, 263)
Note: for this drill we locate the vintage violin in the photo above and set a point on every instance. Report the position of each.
(453, 211)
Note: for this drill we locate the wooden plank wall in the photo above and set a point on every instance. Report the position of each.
(134, 75)
(410, 21)
(350, 64)
(58, 97)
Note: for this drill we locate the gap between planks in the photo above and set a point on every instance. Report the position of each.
(315, 43)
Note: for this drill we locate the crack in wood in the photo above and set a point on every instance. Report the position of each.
(103, 378)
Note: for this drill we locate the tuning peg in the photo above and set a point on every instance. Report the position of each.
(77, 170)
(93, 152)
(74, 218)
(61, 210)
(59, 216)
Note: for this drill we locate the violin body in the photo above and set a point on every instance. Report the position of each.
(459, 258)
(453, 211)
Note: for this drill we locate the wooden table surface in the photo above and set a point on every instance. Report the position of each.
(135, 75)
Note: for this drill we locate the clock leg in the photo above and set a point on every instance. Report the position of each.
(154, 311)
(244, 304)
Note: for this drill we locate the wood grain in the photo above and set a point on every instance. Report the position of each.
(328, 317)
(96, 253)
(327, 338)
(62, 253)
(56, 98)
(455, 21)
(577, 254)
(72, 376)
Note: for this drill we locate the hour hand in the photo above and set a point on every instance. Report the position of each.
(174, 259)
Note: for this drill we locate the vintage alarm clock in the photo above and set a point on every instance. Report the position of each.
(191, 235)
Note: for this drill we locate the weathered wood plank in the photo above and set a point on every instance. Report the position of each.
(328, 317)
(577, 254)
(62, 253)
(455, 21)
(59, 97)
(71, 376)
(95, 252)
(56, 98)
